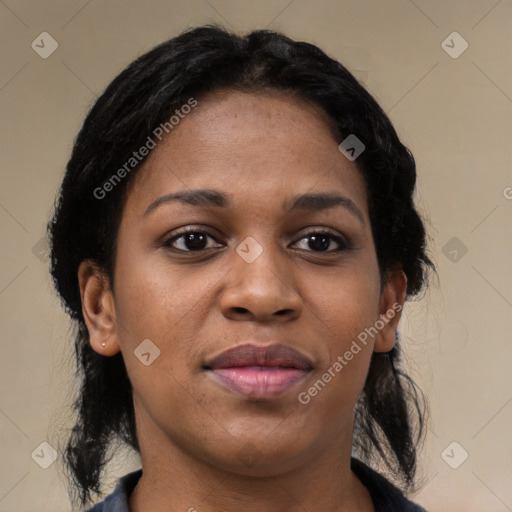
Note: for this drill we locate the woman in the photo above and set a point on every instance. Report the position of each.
(235, 238)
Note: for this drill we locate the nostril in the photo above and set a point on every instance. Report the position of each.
(239, 310)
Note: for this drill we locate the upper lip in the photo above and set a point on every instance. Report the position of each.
(254, 355)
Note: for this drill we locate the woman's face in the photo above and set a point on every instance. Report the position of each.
(253, 273)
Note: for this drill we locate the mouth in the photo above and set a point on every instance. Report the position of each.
(257, 372)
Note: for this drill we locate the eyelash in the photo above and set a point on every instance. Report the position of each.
(343, 244)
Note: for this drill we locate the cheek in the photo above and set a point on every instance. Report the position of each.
(162, 303)
(344, 313)
(334, 389)
(347, 303)
(153, 298)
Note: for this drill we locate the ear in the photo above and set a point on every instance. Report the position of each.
(391, 305)
(98, 308)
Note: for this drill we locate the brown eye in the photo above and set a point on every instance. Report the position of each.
(322, 242)
(190, 241)
(319, 242)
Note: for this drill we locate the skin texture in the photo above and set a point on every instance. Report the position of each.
(202, 445)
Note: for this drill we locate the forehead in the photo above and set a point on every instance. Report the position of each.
(257, 144)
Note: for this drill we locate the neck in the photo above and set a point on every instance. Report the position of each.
(175, 480)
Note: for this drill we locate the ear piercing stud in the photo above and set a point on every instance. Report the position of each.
(104, 344)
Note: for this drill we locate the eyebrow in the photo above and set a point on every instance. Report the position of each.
(194, 197)
(208, 198)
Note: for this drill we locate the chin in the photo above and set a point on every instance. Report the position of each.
(261, 457)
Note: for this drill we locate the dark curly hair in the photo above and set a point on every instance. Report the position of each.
(390, 412)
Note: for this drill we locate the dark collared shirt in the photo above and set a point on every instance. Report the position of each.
(385, 496)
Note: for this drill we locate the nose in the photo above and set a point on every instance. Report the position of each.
(262, 291)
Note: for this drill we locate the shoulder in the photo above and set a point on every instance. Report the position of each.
(385, 496)
(117, 500)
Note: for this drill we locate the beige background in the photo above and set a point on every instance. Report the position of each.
(454, 113)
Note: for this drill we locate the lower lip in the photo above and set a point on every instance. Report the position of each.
(259, 382)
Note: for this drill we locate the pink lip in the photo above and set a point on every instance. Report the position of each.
(259, 372)
(259, 382)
